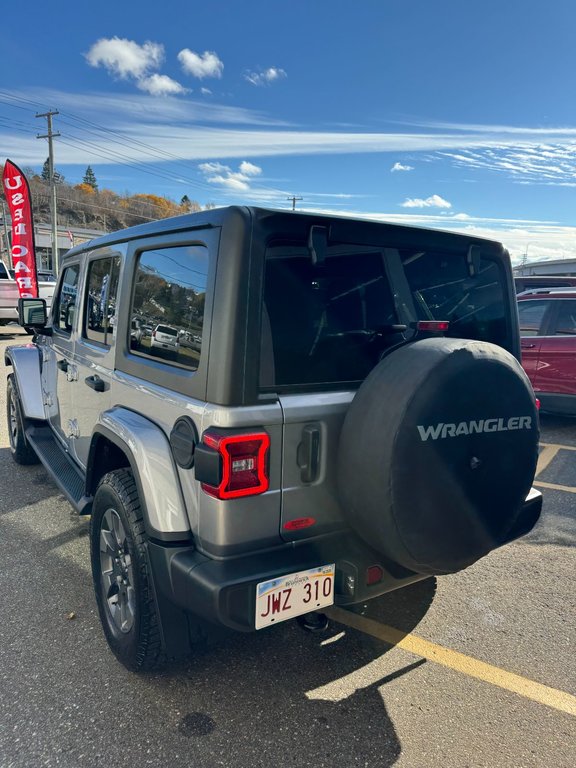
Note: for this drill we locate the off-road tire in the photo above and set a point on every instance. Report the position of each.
(118, 552)
(21, 450)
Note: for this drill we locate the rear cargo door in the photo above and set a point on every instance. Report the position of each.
(329, 323)
(312, 425)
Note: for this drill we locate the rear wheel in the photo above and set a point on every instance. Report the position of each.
(21, 450)
(121, 573)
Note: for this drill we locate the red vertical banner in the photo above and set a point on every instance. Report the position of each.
(17, 193)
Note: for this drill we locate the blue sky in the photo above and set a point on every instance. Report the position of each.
(447, 114)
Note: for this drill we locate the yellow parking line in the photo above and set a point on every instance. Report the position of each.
(554, 486)
(557, 445)
(550, 697)
(545, 457)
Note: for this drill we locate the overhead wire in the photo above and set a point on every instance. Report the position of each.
(119, 158)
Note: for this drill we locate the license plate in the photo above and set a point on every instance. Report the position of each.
(292, 595)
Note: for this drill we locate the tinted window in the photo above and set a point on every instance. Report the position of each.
(530, 315)
(445, 287)
(3, 272)
(327, 323)
(64, 306)
(168, 304)
(100, 305)
(565, 324)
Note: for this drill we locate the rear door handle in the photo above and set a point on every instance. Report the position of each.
(528, 346)
(309, 454)
(63, 365)
(95, 383)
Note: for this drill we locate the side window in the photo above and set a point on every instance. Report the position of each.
(531, 314)
(100, 304)
(64, 306)
(566, 321)
(3, 272)
(167, 312)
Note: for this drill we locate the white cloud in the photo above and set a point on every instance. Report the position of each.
(200, 65)
(265, 76)
(208, 168)
(400, 167)
(206, 91)
(125, 58)
(249, 169)
(230, 182)
(160, 85)
(434, 201)
(224, 176)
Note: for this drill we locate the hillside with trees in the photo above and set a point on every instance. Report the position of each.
(87, 206)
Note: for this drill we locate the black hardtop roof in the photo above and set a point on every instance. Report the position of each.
(217, 217)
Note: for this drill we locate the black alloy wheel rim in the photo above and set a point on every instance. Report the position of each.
(13, 421)
(117, 574)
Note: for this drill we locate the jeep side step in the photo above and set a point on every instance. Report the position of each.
(60, 467)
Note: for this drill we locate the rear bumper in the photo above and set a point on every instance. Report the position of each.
(224, 591)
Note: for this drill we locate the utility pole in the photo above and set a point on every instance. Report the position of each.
(53, 209)
(6, 236)
(294, 199)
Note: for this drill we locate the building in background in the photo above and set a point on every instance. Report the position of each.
(68, 237)
(550, 267)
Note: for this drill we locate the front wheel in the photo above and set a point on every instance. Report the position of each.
(121, 573)
(21, 450)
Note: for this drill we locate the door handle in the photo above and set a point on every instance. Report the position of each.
(527, 346)
(309, 454)
(95, 383)
(63, 365)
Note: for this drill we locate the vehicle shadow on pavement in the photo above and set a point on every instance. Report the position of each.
(13, 479)
(282, 696)
(326, 689)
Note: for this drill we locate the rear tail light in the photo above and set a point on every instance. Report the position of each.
(234, 465)
(537, 404)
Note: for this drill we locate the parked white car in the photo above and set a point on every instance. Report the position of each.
(165, 337)
(9, 293)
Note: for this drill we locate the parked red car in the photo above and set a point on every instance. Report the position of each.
(548, 340)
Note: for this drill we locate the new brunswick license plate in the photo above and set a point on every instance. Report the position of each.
(288, 596)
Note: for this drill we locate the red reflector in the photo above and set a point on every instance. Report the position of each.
(244, 460)
(433, 326)
(374, 574)
(300, 522)
(537, 404)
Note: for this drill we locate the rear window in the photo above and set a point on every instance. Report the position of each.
(470, 296)
(331, 323)
(168, 331)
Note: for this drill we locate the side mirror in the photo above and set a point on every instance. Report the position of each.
(32, 313)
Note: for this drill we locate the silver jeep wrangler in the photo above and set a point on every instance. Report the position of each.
(314, 410)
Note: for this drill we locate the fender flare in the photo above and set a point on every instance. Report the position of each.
(148, 452)
(26, 362)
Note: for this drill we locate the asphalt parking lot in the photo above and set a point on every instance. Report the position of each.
(470, 670)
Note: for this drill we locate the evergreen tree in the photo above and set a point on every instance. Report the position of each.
(90, 178)
(45, 175)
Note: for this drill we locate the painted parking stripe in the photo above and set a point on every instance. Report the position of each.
(554, 486)
(467, 665)
(545, 456)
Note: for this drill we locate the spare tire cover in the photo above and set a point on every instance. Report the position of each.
(437, 453)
